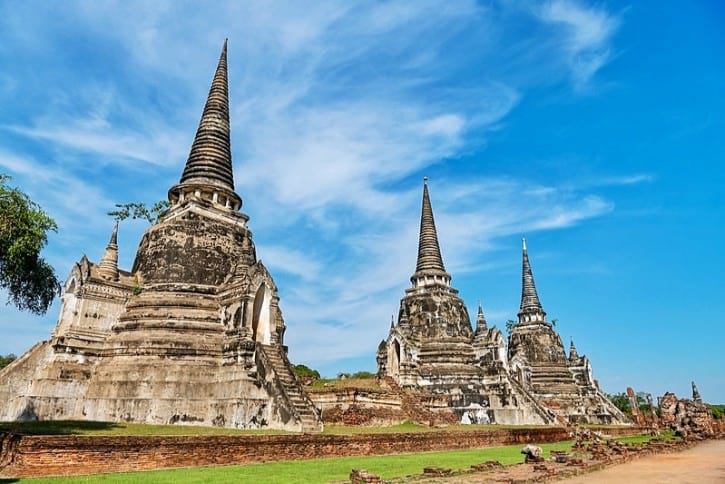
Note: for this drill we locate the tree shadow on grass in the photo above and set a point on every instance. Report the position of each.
(4, 481)
(59, 427)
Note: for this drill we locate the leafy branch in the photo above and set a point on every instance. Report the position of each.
(153, 215)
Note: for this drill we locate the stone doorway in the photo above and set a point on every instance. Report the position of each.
(260, 316)
(395, 359)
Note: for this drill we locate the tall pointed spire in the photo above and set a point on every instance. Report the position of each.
(429, 268)
(108, 267)
(209, 166)
(210, 158)
(480, 318)
(573, 355)
(530, 310)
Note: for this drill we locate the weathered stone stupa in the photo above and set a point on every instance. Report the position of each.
(538, 361)
(193, 334)
(433, 349)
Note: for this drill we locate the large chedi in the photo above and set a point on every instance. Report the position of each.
(192, 334)
(538, 361)
(433, 348)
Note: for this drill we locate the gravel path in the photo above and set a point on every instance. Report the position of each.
(703, 464)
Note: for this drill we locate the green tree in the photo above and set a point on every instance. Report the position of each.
(303, 371)
(153, 214)
(29, 279)
(6, 360)
(510, 325)
(621, 401)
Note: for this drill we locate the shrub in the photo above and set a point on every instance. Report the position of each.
(717, 411)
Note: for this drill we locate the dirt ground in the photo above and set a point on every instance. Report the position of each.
(703, 464)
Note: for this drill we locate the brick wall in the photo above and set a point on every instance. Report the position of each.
(35, 456)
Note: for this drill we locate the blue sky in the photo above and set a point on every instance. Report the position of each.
(593, 129)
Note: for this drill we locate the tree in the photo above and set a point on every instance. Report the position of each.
(154, 214)
(6, 360)
(621, 401)
(510, 325)
(29, 279)
(303, 371)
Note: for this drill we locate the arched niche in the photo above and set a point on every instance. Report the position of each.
(394, 358)
(261, 327)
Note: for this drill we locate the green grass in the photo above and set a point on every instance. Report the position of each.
(329, 385)
(316, 470)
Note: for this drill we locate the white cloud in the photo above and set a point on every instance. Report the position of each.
(73, 202)
(587, 36)
(96, 136)
(292, 261)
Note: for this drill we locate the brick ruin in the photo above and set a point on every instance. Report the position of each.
(192, 334)
(482, 377)
(689, 418)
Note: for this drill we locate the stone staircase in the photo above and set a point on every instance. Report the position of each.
(413, 406)
(302, 406)
(547, 415)
(390, 381)
(553, 380)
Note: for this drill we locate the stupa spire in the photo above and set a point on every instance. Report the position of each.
(208, 170)
(573, 355)
(429, 268)
(480, 318)
(108, 267)
(210, 158)
(530, 310)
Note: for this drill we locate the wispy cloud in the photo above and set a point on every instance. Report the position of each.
(72, 201)
(112, 143)
(587, 35)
